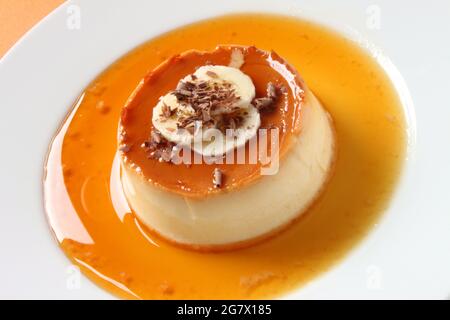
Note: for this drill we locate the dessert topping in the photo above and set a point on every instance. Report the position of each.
(217, 178)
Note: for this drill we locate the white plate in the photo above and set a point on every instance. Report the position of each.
(407, 255)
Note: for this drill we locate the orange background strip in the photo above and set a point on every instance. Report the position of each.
(19, 16)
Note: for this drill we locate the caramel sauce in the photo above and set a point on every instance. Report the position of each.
(90, 217)
(195, 180)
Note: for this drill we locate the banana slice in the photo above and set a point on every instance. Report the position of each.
(214, 143)
(240, 82)
(241, 116)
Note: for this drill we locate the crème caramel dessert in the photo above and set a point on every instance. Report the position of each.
(221, 149)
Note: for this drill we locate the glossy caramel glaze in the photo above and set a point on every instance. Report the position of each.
(196, 180)
(89, 215)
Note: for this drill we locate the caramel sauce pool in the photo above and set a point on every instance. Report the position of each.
(96, 230)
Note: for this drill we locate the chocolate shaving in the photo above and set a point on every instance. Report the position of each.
(125, 148)
(206, 114)
(212, 74)
(217, 178)
(231, 120)
(167, 112)
(156, 136)
(267, 103)
(204, 97)
(166, 154)
(158, 147)
(263, 103)
(184, 92)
